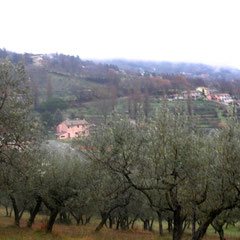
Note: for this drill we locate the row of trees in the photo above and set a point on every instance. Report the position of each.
(185, 176)
(29, 174)
(162, 169)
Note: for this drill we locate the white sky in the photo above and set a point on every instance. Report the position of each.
(206, 31)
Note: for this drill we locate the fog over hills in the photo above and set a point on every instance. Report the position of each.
(142, 67)
(185, 68)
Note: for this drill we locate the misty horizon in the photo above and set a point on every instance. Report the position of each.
(108, 60)
(173, 31)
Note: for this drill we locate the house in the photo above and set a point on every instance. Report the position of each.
(37, 60)
(204, 90)
(185, 95)
(177, 97)
(72, 129)
(192, 94)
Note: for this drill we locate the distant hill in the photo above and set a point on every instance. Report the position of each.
(77, 81)
(64, 76)
(96, 70)
(186, 69)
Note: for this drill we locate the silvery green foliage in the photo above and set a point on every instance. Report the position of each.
(18, 128)
(177, 168)
(60, 176)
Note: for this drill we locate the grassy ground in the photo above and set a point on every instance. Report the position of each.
(64, 232)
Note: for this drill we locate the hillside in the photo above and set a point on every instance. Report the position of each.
(66, 86)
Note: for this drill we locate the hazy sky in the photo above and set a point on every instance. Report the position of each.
(206, 31)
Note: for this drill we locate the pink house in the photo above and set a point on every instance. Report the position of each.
(72, 129)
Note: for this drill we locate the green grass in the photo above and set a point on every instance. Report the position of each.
(231, 231)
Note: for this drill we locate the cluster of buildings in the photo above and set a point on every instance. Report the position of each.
(213, 95)
(204, 93)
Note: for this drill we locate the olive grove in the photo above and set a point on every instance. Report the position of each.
(188, 175)
(161, 168)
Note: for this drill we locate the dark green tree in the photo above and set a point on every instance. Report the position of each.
(52, 104)
(58, 117)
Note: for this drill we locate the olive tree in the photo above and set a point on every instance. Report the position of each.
(60, 178)
(17, 185)
(16, 123)
(18, 134)
(109, 188)
(182, 172)
(223, 192)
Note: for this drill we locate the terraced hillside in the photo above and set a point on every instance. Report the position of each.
(207, 114)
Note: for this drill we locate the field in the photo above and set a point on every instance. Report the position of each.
(72, 232)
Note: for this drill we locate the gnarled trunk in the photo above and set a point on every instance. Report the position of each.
(150, 227)
(133, 221)
(110, 222)
(169, 221)
(34, 212)
(16, 211)
(199, 234)
(219, 228)
(87, 220)
(178, 220)
(52, 218)
(160, 226)
(104, 217)
(194, 219)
